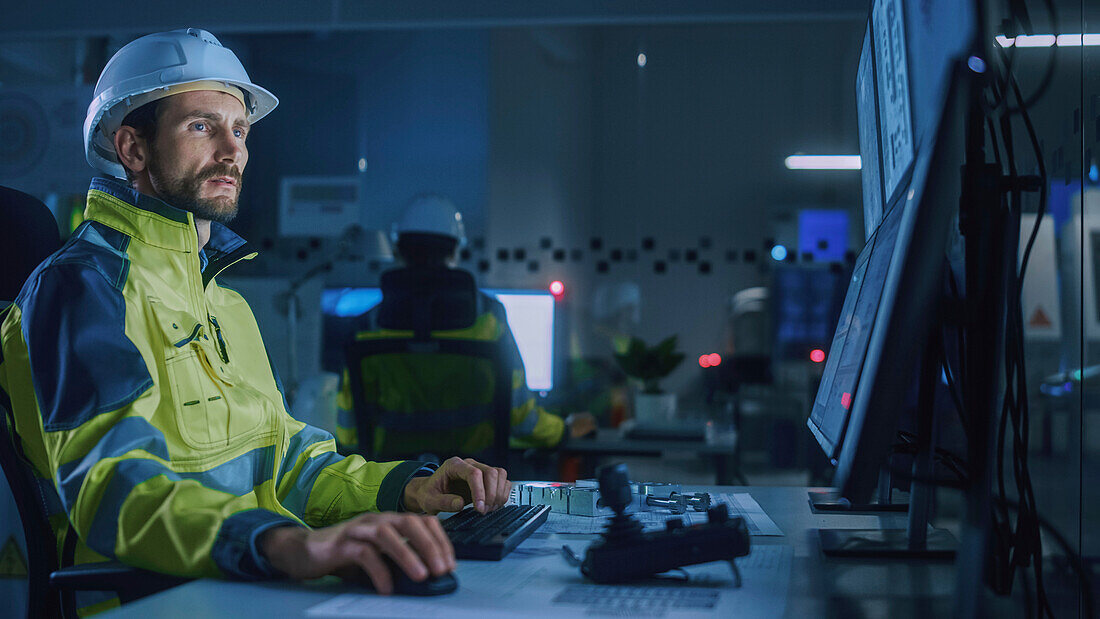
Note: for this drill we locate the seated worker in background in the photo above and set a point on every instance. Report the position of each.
(142, 389)
(426, 237)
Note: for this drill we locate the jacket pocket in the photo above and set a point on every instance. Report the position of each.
(201, 385)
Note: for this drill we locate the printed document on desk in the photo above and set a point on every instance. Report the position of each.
(549, 587)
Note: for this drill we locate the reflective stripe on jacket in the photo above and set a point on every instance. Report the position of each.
(469, 384)
(142, 389)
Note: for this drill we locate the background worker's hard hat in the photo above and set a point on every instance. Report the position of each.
(431, 214)
(156, 66)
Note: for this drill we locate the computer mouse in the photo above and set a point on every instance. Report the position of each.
(403, 585)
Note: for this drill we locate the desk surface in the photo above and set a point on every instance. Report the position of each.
(818, 586)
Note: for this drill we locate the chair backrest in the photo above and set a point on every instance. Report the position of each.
(42, 559)
(28, 235)
(423, 301)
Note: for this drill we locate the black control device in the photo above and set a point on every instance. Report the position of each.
(626, 553)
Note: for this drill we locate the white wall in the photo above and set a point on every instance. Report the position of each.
(584, 143)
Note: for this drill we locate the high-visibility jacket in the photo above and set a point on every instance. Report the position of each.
(144, 396)
(407, 385)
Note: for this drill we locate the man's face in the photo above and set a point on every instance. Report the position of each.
(199, 154)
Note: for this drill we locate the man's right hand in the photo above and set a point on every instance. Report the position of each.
(354, 548)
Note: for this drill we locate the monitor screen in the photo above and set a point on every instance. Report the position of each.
(530, 315)
(870, 163)
(895, 119)
(829, 417)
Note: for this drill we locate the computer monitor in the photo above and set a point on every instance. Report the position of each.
(530, 315)
(829, 416)
(867, 120)
(911, 54)
(531, 319)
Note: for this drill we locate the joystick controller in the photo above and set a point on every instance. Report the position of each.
(626, 553)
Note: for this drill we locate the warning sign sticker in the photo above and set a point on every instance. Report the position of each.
(12, 563)
(1039, 319)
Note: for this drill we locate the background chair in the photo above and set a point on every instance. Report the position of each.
(423, 301)
(28, 235)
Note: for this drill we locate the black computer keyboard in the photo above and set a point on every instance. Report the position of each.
(493, 535)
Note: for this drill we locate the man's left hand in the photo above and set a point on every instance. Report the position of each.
(458, 482)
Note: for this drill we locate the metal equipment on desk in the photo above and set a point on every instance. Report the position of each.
(583, 497)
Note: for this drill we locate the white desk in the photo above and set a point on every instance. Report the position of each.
(817, 587)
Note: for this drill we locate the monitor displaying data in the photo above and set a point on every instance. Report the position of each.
(530, 315)
(829, 417)
(870, 162)
(895, 117)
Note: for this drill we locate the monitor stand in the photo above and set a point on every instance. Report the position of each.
(918, 540)
(829, 501)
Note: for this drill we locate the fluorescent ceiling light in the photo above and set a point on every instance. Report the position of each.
(823, 162)
(1035, 40)
(1048, 40)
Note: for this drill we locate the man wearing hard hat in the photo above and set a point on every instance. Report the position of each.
(426, 238)
(142, 389)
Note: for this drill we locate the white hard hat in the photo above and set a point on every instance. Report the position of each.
(431, 215)
(156, 66)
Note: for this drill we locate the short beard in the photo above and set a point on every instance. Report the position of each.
(184, 192)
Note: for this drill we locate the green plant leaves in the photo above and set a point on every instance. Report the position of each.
(649, 365)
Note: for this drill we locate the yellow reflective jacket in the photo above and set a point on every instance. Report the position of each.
(409, 386)
(144, 396)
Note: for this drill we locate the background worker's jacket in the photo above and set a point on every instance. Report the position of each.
(142, 390)
(406, 383)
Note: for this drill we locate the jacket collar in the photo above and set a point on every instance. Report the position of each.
(154, 221)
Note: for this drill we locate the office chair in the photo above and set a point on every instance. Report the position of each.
(28, 235)
(423, 301)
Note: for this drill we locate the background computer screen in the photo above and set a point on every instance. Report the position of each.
(530, 315)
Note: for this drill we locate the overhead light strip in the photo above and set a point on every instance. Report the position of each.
(1049, 40)
(823, 162)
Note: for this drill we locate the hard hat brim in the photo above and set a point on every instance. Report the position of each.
(101, 152)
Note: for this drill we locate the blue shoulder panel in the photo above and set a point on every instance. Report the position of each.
(74, 320)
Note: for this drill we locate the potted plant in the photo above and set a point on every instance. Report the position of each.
(649, 365)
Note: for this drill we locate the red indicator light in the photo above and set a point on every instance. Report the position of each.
(817, 355)
(557, 288)
(846, 400)
(712, 360)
